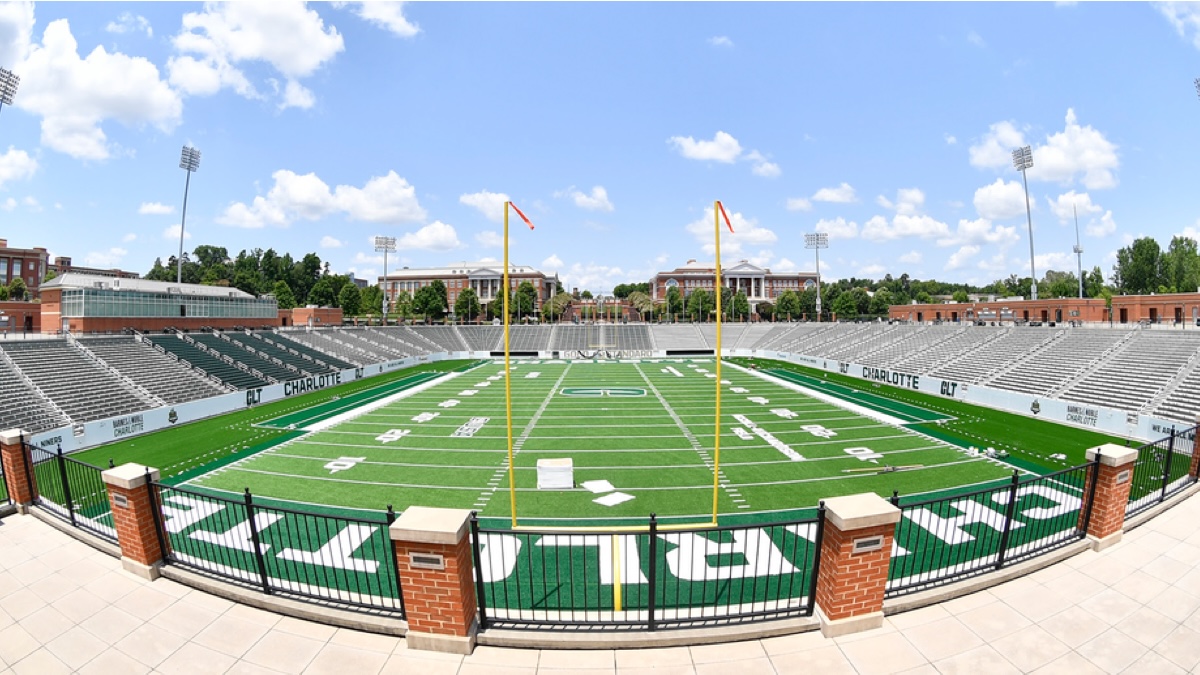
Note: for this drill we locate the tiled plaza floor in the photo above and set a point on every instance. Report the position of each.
(65, 607)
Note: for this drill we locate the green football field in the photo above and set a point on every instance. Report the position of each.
(640, 437)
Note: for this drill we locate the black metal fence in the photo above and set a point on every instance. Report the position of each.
(73, 491)
(329, 559)
(941, 541)
(1161, 470)
(645, 578)
(5, 497)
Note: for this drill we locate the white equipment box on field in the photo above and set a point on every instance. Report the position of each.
(556, 474)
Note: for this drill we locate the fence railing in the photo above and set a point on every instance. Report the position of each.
(940, 541)
(1161, 470)
(73, 491)
(313, 556)
(648, 579)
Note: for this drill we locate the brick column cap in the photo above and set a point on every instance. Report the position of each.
(128, 475)
(11, 436)
(429, 525)
(1111, 454)
(855, 512)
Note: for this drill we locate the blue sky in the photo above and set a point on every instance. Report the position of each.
(613, 126)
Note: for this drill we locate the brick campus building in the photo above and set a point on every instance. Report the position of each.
(1182, 309)
(759, 284)
(486, 278)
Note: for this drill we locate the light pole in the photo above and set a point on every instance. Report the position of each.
(1022, 160)
(1078, 250)
(8, 86)
(817, 241)
(384, 244)
(189, 161)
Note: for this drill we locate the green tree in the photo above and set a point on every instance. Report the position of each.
(641, 302)
(372, 300)
(524, 300)
(323, 293)
(787, 305)
(1093, 283)
(350, 300)
(765, 311)
(304, 275)
(50, 274)
(466, 306)
(431, 301)
(1139, 268)
(844, 306)
(961, 296)
(1181, 265)
(741, 307)
(3, 292)
(699, 304)
(882, 301)
(17, 290)
(674, 302)
(924, 298)
(283, 295)
(586, 295)
(402, 305)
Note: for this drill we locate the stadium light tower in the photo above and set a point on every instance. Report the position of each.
(1078, 250)
(384, 244)
(8, 86)
(817, 241)
(1023, 160)
(189, 161)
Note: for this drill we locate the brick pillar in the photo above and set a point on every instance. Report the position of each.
(18, 469)
(1195, 470)
(433, 555)
(1115, 469)
(133, 509)
(856, 550)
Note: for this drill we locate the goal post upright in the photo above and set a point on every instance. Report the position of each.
(718, 209)
(512, 480)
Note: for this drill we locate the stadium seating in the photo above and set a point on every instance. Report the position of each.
(680, 336)
(153, 370)
(224, 369)
(82, 388)
(25, 407)
(1138, 372)
(952, 344)
(981, 363)
(323, 342)
(482, 338)
(1060, 362)
(441, 338)
(529, 338)
(278, 345)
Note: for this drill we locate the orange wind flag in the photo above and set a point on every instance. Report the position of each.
(722, 207)
(527, 221)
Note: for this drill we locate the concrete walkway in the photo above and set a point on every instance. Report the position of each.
(65, 607)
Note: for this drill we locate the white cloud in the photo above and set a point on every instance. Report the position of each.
(872, 271)
(720, 41)
(903, 225)
(436, 236)
(596, 201)
(75, 96)
(961, 257)
(552, 263)
(172, 233)
(214, 43)
(105, 259)
(31, 203)
(723, 148)
(16, 32)
(361, 258)
(975, 39)
(981, 231)
(155, 209)
(784, 265)
(384, 199)
(129, 237)
(1062, 206)
(490, 204)
(1076, 151)
(8, 204)
(15, 165)
(1063, 262)
(386, 15)
(130, 23)
(593, 277)
(950, 140)
(330, 242)
(798, 204)
(994, 150)
(1191, 231)
(911, 258)
(762, 167)
(490, 239)
(842, 194)
(1185, 17)
(1102, 227)
(1000, 200)
(746, 232)
(837, 228)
